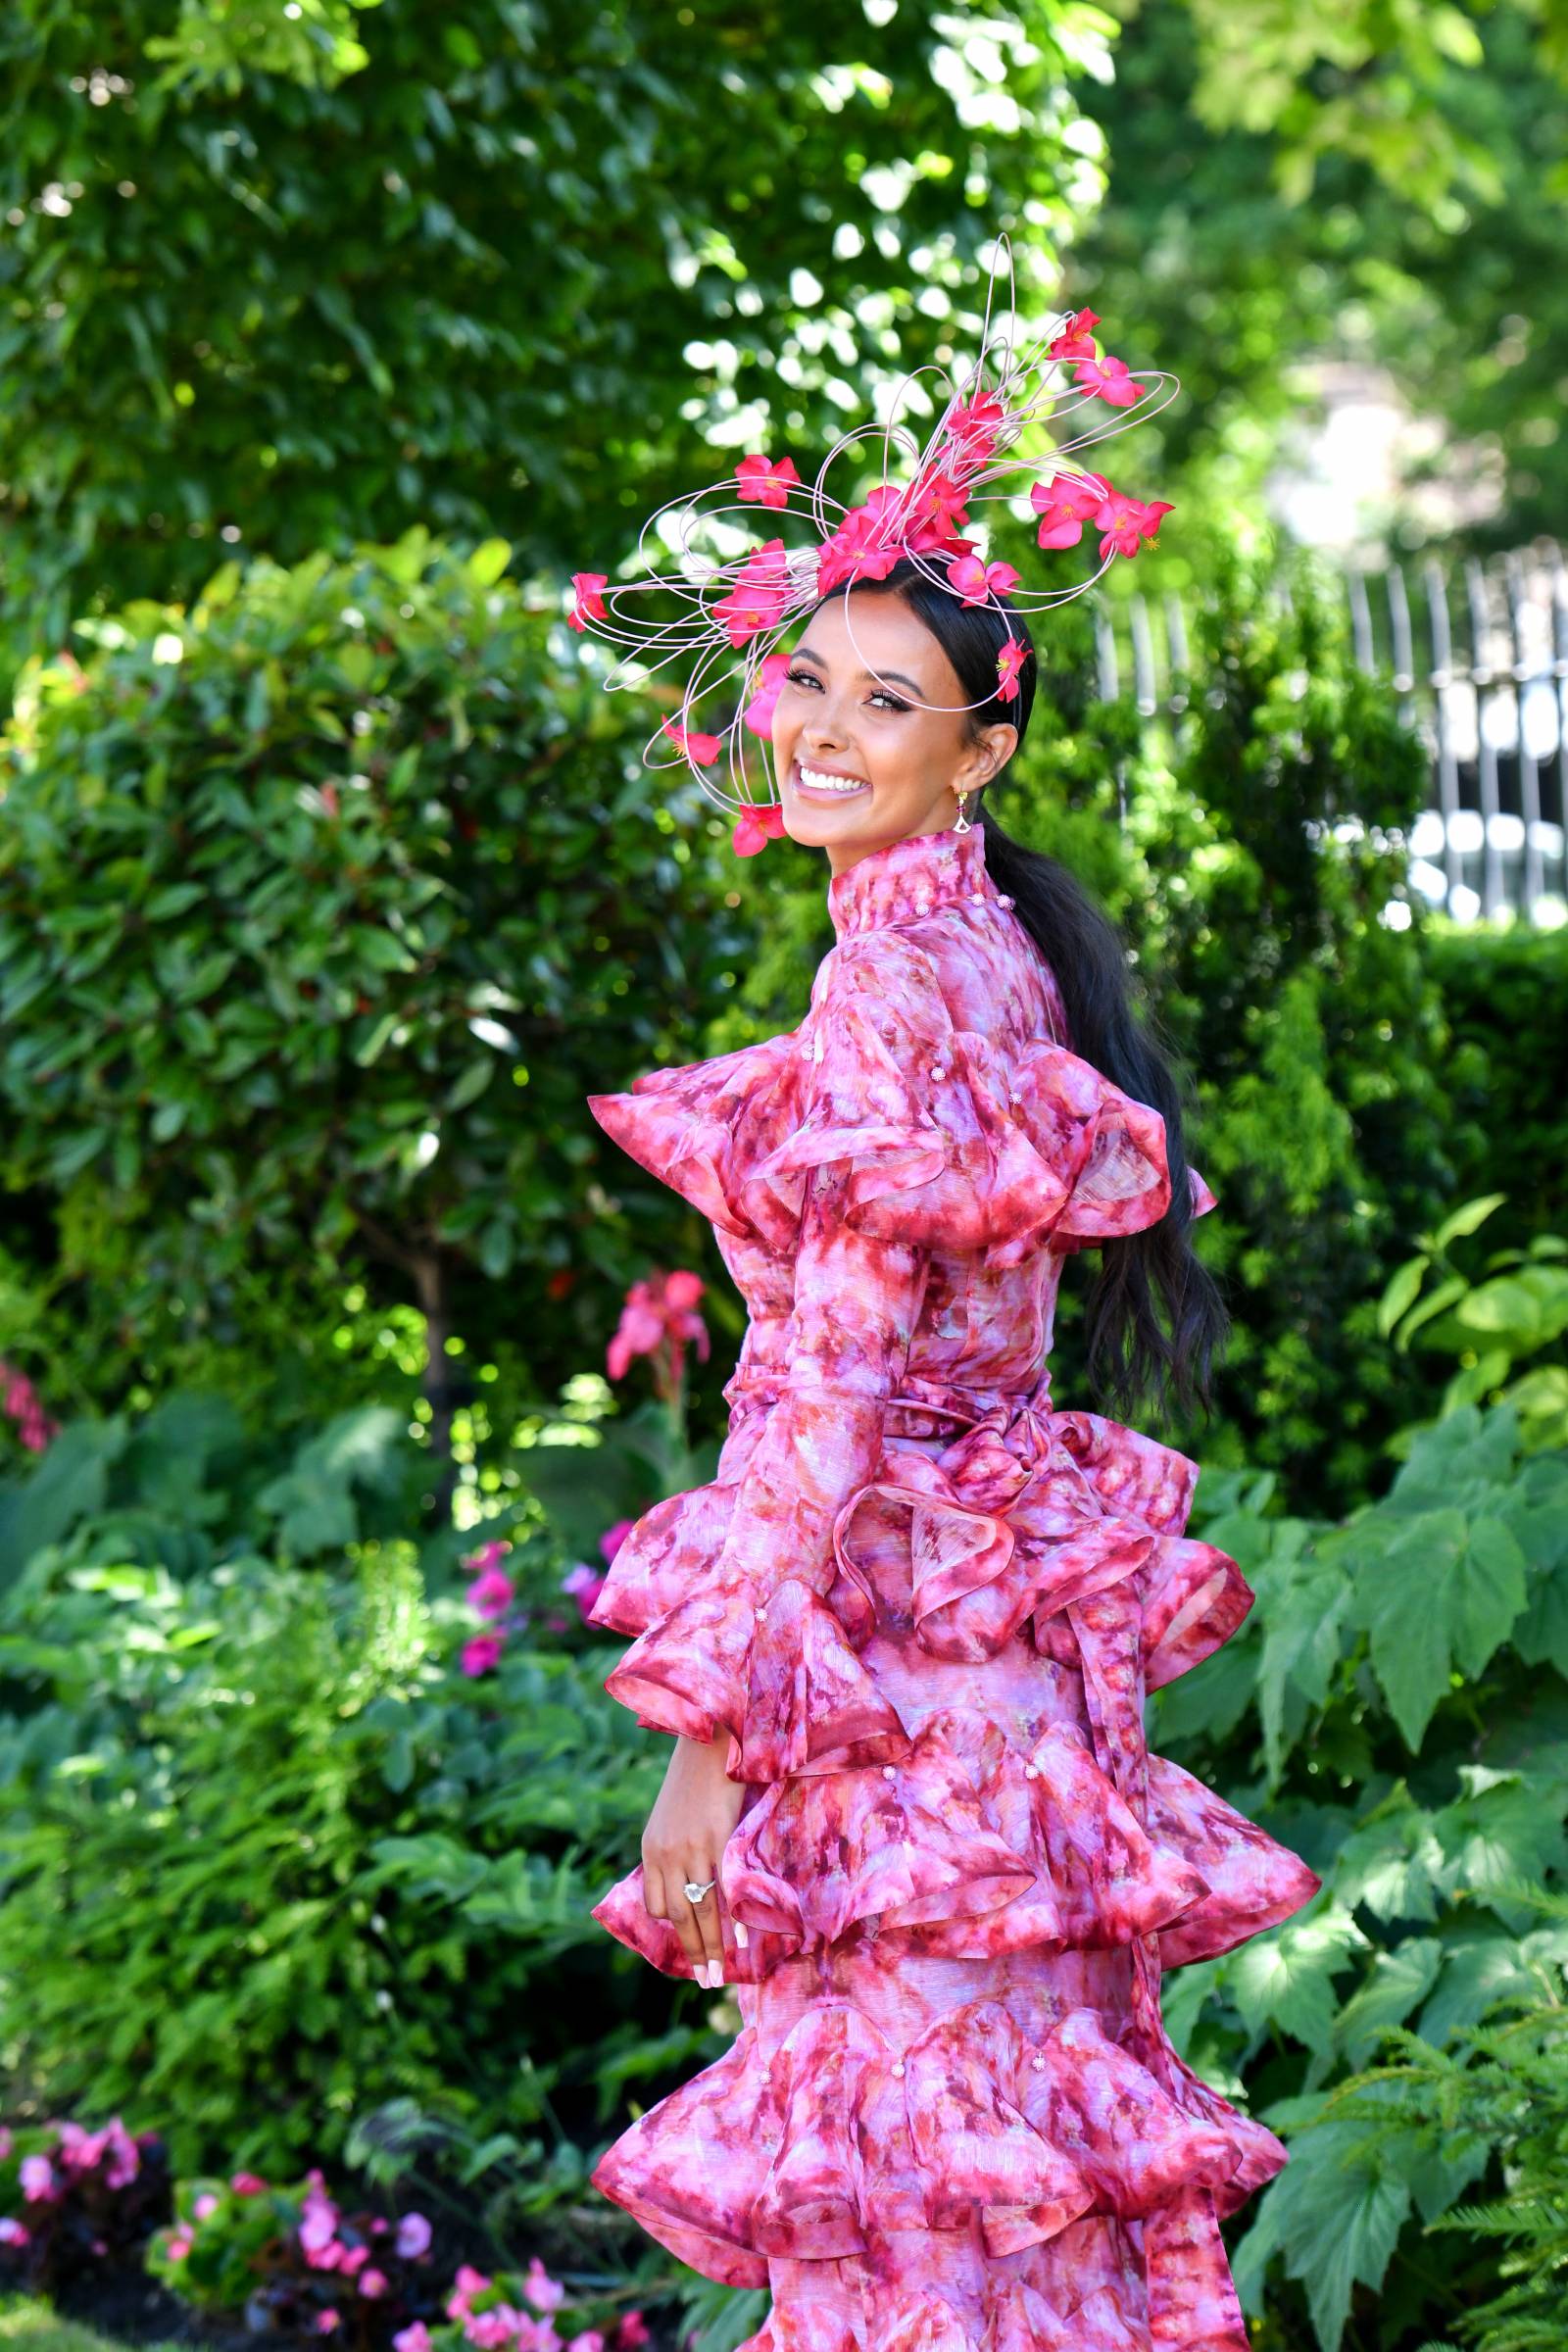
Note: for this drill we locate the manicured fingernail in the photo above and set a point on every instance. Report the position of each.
(703, 1977)
(742, 1940)
(715, 1977)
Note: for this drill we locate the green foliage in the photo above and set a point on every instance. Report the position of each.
(517, 275)
(317, 905)
(1489, 1325)
(1395, 1709)
(269, 1860)
(1426, 249)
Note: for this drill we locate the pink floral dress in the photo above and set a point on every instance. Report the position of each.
(926, 1605)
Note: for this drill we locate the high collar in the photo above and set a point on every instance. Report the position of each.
(910, 877)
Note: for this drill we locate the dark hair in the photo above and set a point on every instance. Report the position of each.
(1131, 1354)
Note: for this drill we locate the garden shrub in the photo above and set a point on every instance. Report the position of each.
(269, 1858)
(321, 906)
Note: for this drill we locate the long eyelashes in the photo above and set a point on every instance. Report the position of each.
(803, 677)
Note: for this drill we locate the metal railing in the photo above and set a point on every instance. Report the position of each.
(1478, 662)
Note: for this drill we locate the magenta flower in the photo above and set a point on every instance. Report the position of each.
(492, 1593)
(696, 746)
(632, 2332)
(658, 1318)
(758, 711)
(467, 2283)
(764, 480)
(481, 1656)
(125, 2156)
(179, 2245)
(351, 2259)
(590, 2340)
(19, 1398)
(1111, 379)
(413, 2338)
(205, 2204)
(14, 2232)
(585, 1584)
(611, 1542)
(413, 2236)
(373, 2282)
(588, 602)
(491, 2330)
(37, 2179)
(247, 2184)
(327, 2321)
(543, 2292)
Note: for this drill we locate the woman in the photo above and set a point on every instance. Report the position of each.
(902, 1640)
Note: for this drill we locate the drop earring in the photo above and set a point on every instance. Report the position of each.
(961, 823)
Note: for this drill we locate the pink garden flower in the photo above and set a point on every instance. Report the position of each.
(247, 2184)
(584, 1584)
(492, 1593)
(657, 1319)
(413, 2236)
(467, 2283)
(413, 2338)
(632, 2332)
(179, 2245)
(481, 1656)
(543, 2292)
(373, 2282)
(327, 2321)
(203, 2205)
(14, 2232)
(37, 2179)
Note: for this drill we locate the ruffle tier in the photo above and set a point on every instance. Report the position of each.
(837, 2136)
(971, 1847)
(951, 1139)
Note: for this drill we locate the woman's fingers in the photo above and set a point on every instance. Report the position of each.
(696, 1924)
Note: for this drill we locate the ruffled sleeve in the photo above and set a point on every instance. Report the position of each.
(752, 1646)
(950, 1140)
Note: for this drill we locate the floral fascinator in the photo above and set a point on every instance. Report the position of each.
(726, 599)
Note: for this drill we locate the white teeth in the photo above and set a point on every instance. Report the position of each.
(815, 776)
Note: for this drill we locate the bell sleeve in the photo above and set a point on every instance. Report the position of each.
(752, 1646)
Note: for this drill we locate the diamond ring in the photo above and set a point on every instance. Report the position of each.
(694, 1891)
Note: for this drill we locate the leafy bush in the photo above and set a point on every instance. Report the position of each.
(319, 907)
(1396, 1708)
(269, 1858)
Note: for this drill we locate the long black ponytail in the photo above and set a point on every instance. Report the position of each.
(1135, 1358)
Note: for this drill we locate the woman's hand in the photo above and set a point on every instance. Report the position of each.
(698, 1806)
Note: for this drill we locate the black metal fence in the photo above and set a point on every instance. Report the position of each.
(1479, 661)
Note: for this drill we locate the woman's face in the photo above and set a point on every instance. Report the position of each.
(909, 764)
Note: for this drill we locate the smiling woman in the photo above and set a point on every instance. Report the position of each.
(902, 1640)
(858, 765)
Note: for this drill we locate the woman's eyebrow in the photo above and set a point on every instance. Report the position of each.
(803, 653)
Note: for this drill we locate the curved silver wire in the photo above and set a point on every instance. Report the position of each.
(1025, 393)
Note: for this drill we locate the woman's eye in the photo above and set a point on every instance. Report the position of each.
(804, 677)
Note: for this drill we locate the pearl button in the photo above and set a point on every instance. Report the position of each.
(1031, 1772)
(890, 1772)
(897, 2066)
(1039, 2064)
(937, 1070)
(1004, 901)
(978, 896)
(923, 904)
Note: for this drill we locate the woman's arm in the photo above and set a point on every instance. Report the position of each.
(856, 1305)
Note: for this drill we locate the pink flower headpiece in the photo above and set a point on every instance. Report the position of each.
(726, 608)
